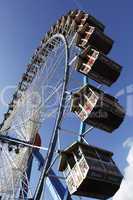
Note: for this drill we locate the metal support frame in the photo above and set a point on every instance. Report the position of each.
(53, 180)
(28, 172)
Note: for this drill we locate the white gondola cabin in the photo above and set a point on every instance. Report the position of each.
(97, 108)
(97, 66)
(90, 171)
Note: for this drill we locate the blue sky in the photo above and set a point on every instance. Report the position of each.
(23, 24)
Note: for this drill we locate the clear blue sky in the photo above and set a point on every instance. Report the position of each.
(23, 24)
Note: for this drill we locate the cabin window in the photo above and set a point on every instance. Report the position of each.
(71, 161)
(83, 166)
(82, 114)
(85, 68)
(79, 110)
(70, 184)
(77, 174)
(95, 54)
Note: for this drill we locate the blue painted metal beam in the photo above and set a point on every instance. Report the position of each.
(56, 183)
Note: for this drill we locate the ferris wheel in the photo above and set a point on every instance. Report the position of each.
(44, 153)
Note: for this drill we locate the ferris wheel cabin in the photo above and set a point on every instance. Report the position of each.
(97, 66)
(90, 171)
(81, 18)
(97, 108)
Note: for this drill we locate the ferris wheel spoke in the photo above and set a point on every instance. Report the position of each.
(47, 115)
(18, 129)
(4, 171)
(12, 179)
(25, 187)
(18, 120)
(73, 80)
(52, 61)
(53, 68)
(3, 178)
(72, 40)
(23, 179)
(50, 75)
(19, 132)
(56, 89)
(10, 175)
